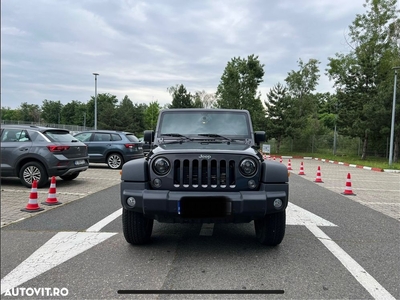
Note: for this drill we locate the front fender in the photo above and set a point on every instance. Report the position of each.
(135, 170)
(274, 172)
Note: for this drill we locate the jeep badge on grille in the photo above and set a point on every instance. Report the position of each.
(202, 156)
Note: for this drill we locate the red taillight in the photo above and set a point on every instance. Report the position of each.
(54, 148)
(130, 146)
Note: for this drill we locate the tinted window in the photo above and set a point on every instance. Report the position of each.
(218, 122)
(103, 137)
(59, 136)
(84, 137)
(116, 137)
(14, 135)
(132, 138)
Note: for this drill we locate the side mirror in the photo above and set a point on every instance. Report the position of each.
(148, 136)
(259, 137)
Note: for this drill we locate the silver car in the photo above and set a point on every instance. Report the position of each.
(37, 153)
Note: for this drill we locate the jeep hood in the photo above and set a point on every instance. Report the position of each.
(204, 146)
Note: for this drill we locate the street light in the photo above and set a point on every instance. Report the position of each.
(393, 111)
(95, 100)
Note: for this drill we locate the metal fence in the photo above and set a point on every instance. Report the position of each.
(71, 128)
(326, 144)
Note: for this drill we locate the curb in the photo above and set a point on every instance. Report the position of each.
(338, 162)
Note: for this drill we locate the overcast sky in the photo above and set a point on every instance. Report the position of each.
(50, 48)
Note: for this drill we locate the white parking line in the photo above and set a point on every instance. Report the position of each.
(99, 225)
(207, 229)
(359, 273)
(66, 245)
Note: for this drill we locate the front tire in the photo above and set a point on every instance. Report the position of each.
(136, 227)
(270, 229)
(115, 161)
(33, 171)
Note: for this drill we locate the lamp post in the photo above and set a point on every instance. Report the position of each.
(95, 100)
(393, 111)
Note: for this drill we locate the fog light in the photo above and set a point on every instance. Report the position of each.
(131, 201)
(278, 203)
(252, 184)
(157, 182)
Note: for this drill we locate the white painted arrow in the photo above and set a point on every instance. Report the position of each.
(60, 248)
(296, 215)
(299, 216)
(65, 245)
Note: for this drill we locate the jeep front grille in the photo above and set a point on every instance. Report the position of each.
(205, 173)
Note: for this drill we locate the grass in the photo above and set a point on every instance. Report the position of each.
(371, 161)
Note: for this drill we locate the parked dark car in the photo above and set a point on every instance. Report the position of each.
(37, 153)
(111, 147)
(204, 167)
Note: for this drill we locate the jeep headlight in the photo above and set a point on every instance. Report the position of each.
(248, 167)
(161, 166)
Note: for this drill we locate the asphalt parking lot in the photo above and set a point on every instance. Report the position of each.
(377, 190)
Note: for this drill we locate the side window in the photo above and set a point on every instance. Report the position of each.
(14, 135)
(115, 137)
(83, 137)
(23, 136)
(103, 137)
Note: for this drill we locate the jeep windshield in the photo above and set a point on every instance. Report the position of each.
(209, 125)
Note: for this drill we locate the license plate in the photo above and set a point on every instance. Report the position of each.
(79, 162)
(140, 148)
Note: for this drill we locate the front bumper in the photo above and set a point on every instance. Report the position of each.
(204, 206)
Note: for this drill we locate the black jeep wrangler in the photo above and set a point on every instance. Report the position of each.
(204, 167)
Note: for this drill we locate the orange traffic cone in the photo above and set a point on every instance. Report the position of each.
(33, 205)
(318, 178)
(274, 158)
(289, 165)
(52, 196)
(264, 156)
(280, 160)
(301, 169)
(348, 190)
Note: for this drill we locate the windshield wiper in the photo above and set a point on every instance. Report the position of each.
(176, 135)
(220, 137)
(216, 136)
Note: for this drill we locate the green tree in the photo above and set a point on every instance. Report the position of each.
(359, 77)
(8, 114)
(30, 112)
(51, 111)
(238, 88)
(73, 113)
(203, 99)
(278, 120)
(106, 108)
(139, 118)
(125, 115)
(151, 115)
(181, 98)
(301, 86)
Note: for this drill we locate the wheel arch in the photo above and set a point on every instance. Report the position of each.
(25, 160)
